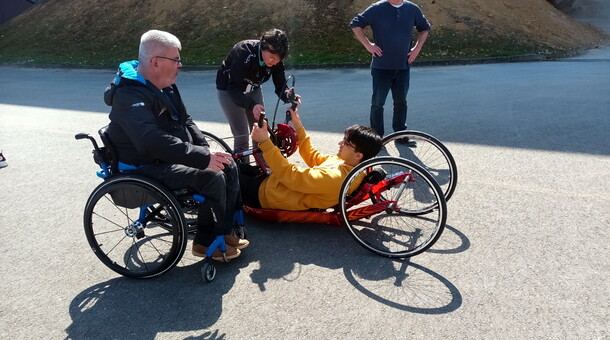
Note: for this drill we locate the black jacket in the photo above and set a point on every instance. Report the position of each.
(242, 67)
(148, 125)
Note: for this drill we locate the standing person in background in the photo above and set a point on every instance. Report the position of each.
(248, 65)
(392, 23)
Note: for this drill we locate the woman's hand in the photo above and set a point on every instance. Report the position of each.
(256, 110)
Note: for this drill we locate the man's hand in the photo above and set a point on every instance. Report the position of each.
(371, 47)
(218, 161)
(295, 118)
(421, 40)
(259, 134)
(374, 49)
(413, 55)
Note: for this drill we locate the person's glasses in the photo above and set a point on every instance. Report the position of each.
(346, 143)
(177, 60)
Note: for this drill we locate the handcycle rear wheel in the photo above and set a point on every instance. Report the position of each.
(135, 226)
(398, 221)
(426, 151)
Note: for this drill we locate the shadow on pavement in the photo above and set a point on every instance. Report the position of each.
(285, 250)
(124, 308)
(179, 301)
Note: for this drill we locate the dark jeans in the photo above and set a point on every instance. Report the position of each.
(383, 82)
(221, 190)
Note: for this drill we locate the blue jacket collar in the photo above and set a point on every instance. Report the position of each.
(129, 70)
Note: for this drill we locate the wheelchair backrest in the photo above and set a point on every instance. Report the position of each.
(110, 153)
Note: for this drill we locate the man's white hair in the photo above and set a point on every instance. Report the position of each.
(154, 42)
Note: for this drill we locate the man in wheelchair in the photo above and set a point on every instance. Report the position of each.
(152, 131)
(316, 186)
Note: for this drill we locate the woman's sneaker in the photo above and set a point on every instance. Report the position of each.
(3, 162)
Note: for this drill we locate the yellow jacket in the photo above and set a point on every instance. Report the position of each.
(292, 188)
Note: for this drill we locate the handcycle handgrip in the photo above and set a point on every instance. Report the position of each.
(261, 119)
(295, 102)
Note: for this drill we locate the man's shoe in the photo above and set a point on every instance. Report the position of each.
(406, 141)
(236, 242)
(200, 250)
(3, 162)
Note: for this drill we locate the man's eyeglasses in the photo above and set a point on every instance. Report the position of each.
(177, 60)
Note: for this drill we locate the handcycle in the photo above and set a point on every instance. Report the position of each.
(392, 206)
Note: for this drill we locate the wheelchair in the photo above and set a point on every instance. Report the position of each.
(135, 225)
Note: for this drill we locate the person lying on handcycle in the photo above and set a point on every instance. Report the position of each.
(316, 186)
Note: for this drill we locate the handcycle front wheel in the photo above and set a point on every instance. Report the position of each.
(135, 226)
(395, 218)
(426, 151)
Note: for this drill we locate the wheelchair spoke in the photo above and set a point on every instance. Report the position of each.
(143, 247)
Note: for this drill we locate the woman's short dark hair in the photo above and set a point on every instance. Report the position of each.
(275, 41)
(365, 139)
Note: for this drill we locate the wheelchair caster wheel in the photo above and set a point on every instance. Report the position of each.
(208, 272)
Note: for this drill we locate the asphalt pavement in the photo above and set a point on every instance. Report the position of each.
(525, 254)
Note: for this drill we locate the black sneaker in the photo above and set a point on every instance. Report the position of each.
(406, 142)
(3, 162)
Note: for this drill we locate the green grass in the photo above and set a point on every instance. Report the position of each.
(29, 45)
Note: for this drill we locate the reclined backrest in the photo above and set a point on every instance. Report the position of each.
(363, 190)
(113, 159)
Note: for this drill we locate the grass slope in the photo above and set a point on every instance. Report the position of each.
(100, 33)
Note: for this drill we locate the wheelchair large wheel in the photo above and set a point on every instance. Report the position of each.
(394, 219)
(135, 226)
(427, 152)
(216, 143)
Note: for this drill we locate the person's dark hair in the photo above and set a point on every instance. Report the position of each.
(275, 41)
(365, 139)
